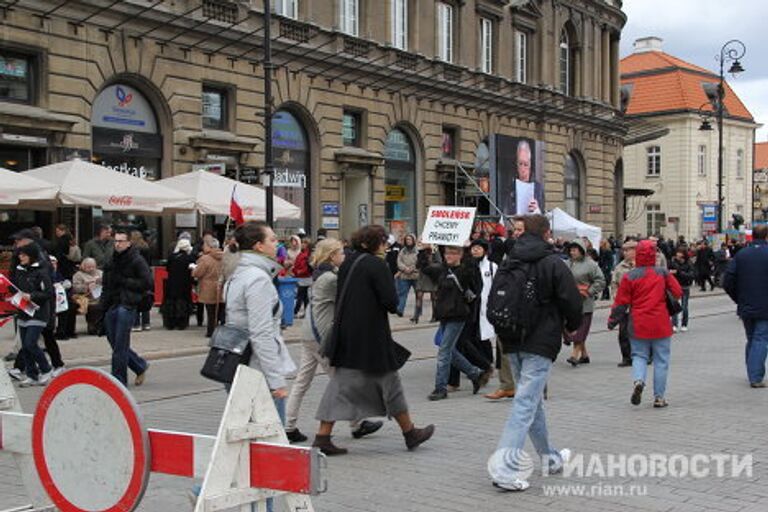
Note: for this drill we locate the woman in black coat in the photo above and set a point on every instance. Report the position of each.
(365, 358)
(33, 279)
(177, 299)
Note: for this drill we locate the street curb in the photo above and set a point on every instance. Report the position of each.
(196, 351)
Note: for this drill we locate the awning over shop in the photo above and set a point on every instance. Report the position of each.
(17, 188)
(81, 183)
(212, 194)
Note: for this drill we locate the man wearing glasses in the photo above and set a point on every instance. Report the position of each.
(127, 281)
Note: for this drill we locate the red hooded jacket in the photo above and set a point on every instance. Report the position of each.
(643, 292)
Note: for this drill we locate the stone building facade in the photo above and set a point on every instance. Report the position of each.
(377, 101)
(681, 168)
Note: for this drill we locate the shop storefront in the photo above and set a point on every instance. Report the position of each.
(292, 173)
(127, 139)
(400, 184)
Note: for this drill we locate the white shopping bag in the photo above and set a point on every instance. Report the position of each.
(62, 304)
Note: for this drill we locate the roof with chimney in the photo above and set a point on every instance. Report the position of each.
(654, 82)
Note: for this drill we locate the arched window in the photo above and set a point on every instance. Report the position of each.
(572, 186)
(291, 163)
(400, 182)
(565, 62)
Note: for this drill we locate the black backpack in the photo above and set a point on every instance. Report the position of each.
(513, 302)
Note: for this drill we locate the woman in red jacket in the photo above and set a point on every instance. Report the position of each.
(642, 296)
(303, 272)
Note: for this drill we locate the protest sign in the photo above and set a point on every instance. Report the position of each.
(448, 225)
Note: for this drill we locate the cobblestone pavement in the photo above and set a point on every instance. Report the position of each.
(712, 411)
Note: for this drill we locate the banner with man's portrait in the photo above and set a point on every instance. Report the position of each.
(517, 170)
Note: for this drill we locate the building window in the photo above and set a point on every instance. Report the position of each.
(449, 142)
(16, 77)
(400, 183)
(654, 219)
(400, 24)
(521, 56)
(350, 16)
(351, 129)
(214, 108)
(701, 160)
(486, 45)
(445, 31)
(565, 63)
(287, 8)
(740, 163)
(654, 161)
(572, 187)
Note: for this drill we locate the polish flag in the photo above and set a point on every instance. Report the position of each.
(25, 305)
(235, 210)
(6, 287)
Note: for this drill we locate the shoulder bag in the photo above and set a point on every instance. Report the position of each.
(230, 346)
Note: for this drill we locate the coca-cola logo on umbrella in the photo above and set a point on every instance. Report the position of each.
(120, 200)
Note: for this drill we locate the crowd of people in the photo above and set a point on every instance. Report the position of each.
(347, 292)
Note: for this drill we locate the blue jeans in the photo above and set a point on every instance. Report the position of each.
(757, 348)
(33, 357)
(448, 355)
(118, 322)
(526, 418)
(684, 303)
(403, 287)
(641, 353)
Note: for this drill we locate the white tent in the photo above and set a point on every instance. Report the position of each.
(15, 187)
(81, 183)
(565, 226)
(212, 194)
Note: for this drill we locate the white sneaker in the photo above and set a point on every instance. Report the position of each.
(26, 382)
(58, 371)
(136, 329)
(684, 329)
(565, 456)
(16, 374)
(674, 329)
(147, 327)
(516, 485)
(44, 379)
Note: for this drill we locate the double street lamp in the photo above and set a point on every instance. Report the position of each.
(731, 52)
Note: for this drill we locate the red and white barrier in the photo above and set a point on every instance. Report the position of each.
(92, 453)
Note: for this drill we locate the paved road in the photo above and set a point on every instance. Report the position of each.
(712, 411)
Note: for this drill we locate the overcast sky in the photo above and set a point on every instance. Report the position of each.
(695, 30)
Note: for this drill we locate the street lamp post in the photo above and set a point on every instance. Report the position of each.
(269, 170)
(731, 51)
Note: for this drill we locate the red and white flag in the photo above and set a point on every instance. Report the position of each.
(235, 210)
(6, 287)
(23, 304)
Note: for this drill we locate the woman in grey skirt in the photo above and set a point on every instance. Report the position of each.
(365, 358)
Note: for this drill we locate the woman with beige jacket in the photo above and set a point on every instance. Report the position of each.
(208, 275)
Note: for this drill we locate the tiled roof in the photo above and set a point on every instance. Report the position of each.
(761, 155)
(663, 83)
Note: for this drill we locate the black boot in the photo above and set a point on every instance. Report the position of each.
(325, 445)
(417, 436)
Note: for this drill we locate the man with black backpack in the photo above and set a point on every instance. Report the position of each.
(533, 299)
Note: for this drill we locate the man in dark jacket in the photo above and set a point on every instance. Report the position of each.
(126, 282)
(746, 282)
(458, 288)
(558, 305)
(704, 259)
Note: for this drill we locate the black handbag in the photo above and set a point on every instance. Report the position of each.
(230, 347)
(673, 305)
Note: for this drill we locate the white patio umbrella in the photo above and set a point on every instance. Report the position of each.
(82, 183)
(15, 187)
(212, 195)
